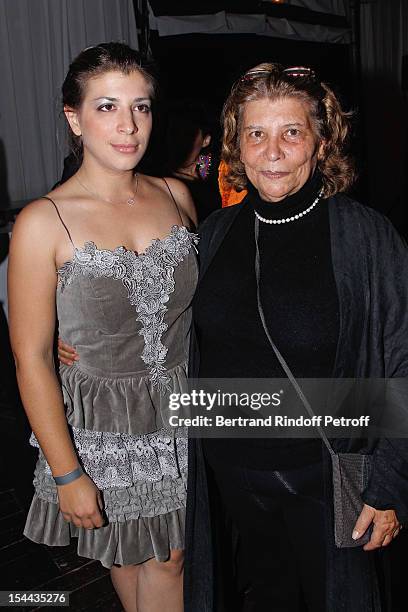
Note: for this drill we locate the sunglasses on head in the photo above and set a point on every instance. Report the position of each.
(294, 71)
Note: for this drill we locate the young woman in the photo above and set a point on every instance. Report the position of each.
(112, 250)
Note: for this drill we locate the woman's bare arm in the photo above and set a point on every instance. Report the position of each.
(32, 284)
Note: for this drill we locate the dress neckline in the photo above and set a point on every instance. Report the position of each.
(120, 250)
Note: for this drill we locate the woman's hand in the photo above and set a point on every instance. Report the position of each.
(66, 353)
(81, 503)
(386, 527)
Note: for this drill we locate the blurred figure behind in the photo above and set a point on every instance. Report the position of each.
(191, 155)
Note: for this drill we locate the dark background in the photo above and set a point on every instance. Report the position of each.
(203, 67)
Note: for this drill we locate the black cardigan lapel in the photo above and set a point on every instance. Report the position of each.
(351, 277)
(212, 234)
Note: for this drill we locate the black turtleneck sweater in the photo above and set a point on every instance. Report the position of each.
(300, 302)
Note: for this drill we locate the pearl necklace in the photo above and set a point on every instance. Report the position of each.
(289, 219)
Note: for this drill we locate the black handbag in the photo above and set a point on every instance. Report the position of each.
(350, 471)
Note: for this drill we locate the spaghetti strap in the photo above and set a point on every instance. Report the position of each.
(174, 200)
(60, 218)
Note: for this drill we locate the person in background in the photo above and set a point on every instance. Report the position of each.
(113, 249)
(191, 156)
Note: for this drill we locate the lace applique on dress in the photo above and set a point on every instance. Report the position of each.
(149, 281)
(115, 460)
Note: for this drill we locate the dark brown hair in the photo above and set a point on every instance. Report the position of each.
(328, 119)
(94, 61)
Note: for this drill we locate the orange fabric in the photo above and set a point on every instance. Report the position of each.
(228, 194)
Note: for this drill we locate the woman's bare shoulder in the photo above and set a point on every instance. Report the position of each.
(182, 195)
(35, 231)
(178, 191)
(177, 187)
(36, 213)
(39, 219)
(162, 184)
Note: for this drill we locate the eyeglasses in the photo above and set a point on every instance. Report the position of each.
(294, 71)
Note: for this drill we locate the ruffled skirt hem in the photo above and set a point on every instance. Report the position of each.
(117, 543)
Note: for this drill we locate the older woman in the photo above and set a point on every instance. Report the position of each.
(332, 291)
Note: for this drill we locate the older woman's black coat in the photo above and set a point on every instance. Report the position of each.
(370, 264)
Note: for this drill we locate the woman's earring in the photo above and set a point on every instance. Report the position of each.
(204, 165)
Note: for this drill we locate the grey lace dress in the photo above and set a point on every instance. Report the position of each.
(129, 317)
